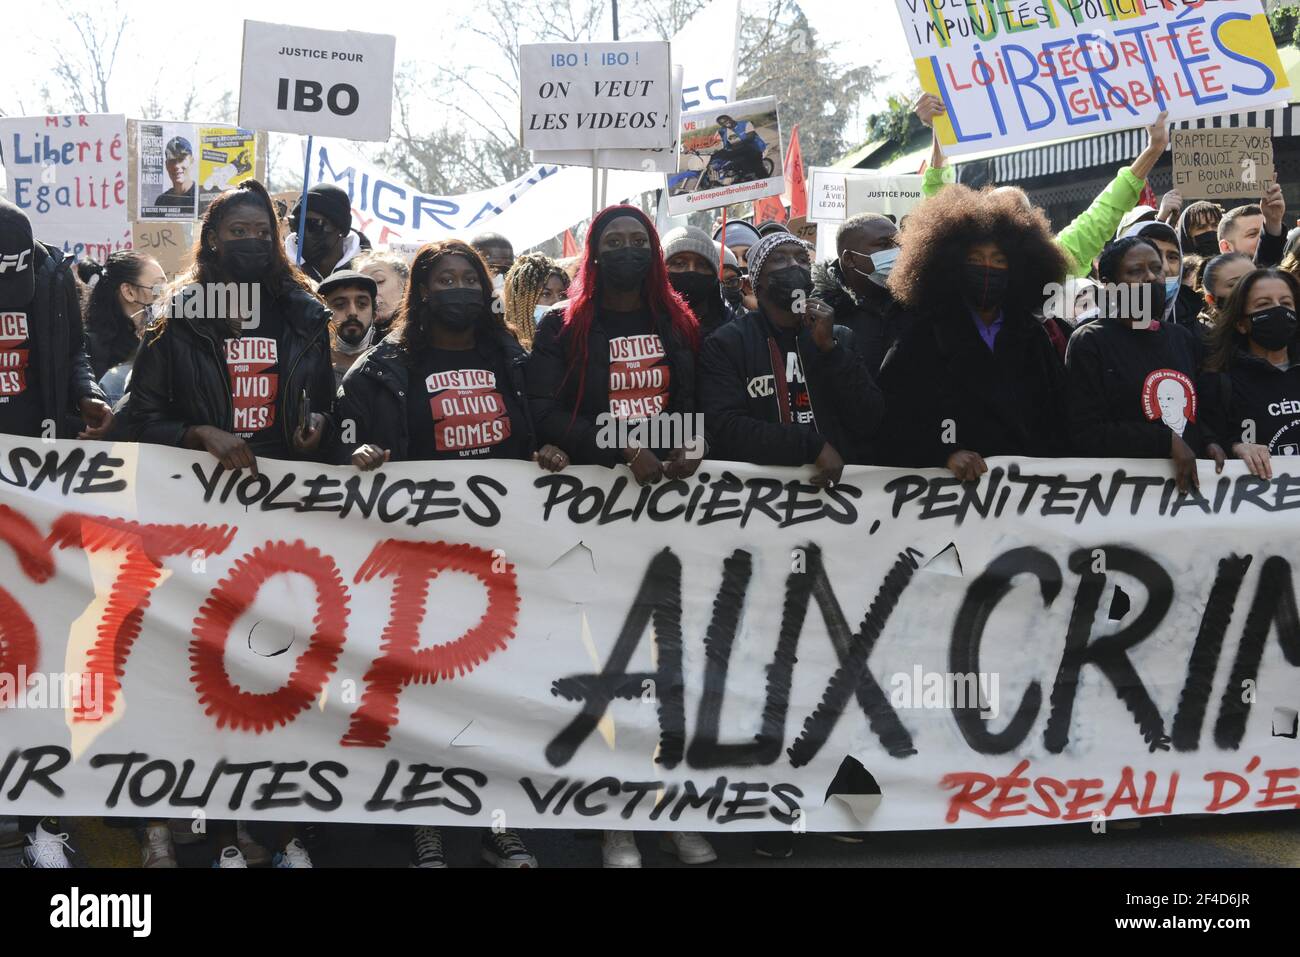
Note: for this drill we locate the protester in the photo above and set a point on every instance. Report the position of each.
(45, 375)
(975, 373)
(770, 227)
(740, 236)
(350, 296)
(1083, 239)
(120, 306)
(1076, 304)
(498, 253)
(1253, 376)
(692, 261)
(331, 242)
(406, 400)
(784, 385)
(532, 286)
(1256, 230)
(389, 271)
(856, 285)
(1132, 377)
(1198, 228)
(737, 292)
(178, 158)
(1182, 302)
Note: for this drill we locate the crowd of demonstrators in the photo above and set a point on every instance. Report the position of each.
(331, 243)
(1171, 335)
(390, 272)
(532, 287)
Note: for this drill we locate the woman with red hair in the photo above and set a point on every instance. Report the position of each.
(621, 353)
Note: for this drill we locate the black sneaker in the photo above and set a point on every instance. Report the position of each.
(778, 845)
(427, 849)
(505, 849)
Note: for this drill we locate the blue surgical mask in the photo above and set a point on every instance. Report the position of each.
(1171, 288)
(883, 264)
(538, 311)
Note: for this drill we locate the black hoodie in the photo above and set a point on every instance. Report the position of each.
(875, 319)
(1130, 387)
(1254, 393)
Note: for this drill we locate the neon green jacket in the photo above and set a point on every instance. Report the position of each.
(1083, 239)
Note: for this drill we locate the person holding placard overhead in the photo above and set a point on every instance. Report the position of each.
(1082, 240)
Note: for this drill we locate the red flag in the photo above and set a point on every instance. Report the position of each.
(796, 189)
(1148, 197)
(769, 209)
(570, 245)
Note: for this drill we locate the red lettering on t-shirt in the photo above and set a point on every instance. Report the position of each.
(251, 385)
(14, 354)
(469, 415)
(638, 377)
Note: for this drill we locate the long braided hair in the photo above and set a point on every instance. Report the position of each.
(524, 284)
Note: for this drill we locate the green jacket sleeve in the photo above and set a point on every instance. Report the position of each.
(1083, 239)
(934, 179)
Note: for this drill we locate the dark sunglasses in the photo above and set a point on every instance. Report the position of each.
(317, 225)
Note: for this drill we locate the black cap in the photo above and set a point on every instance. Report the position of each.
(17, 250)
(329, 201)
(347, 277)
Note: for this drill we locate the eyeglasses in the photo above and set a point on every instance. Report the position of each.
(317, 225)
(731, 285)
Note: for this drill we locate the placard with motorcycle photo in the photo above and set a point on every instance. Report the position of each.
(730, 153)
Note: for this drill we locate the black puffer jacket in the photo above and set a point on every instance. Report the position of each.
(372, 398)
(947, 391)
(553, 392)
(65, 374)
(743, 397)
(875, 319)
(180, 379)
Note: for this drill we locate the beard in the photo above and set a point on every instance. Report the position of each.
(352, 332)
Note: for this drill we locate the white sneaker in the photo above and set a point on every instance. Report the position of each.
(688, 847)
(46, 850)
(156, 849)
(254, 853)
(293, 856)
(618, 849)
(230, 857)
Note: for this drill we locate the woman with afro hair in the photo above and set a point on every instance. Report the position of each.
(975, 373)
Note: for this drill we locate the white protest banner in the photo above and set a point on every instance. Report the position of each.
(1012, 74)
(529, 210)
(888, 194)
(319, 82)
(826, 199)
(705, 50)
(69, 175)
(595, 95)
(1064, 640)
(730, 154)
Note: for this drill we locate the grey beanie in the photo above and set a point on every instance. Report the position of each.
(759, 252)
(690, 239)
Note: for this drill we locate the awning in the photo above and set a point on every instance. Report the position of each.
(1118, 148)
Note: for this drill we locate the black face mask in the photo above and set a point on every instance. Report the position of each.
(1273, 328)
(457, 309)
(625, 269)
(1158, 299)
(318, 243)
(1206, 244)
(733, 296)
(984, 287)
(247, 260)
(695, 287)
(785, 285)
